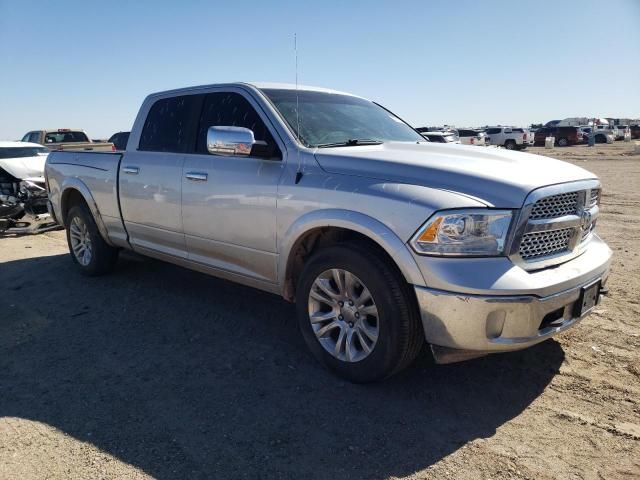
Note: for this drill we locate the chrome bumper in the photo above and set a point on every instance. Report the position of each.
(461, 326)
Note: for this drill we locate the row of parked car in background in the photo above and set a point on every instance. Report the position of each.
(509, 137)
(517, 138)
(75, 139)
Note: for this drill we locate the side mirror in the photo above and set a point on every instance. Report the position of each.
(230, 141)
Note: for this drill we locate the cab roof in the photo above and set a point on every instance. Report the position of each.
(256, 85)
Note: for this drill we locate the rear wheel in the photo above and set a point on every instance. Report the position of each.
(357, 314)
(563, 142)
(88, 249)
(601, 139)
(510, 144)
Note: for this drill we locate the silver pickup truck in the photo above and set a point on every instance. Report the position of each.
(385, 241)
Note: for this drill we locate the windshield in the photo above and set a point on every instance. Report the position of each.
(330, 118)
(21, 152)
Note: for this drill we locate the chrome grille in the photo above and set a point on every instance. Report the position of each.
(556, 224)
(555, 206)
(543, 244)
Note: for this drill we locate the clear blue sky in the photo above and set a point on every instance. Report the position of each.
(89, 64)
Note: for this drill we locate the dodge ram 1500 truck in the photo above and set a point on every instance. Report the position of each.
(383, 240)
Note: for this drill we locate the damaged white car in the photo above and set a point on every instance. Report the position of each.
(23, 196)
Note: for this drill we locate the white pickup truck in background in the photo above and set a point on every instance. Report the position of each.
(511, 138)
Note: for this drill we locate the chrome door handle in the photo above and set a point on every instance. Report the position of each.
(131, 170)
(196, 176)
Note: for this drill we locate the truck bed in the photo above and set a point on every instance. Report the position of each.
(93, 173)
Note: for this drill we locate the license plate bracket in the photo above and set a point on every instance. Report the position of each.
(589, 298)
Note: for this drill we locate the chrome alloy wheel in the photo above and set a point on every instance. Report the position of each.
(343, 315)
(80, 241)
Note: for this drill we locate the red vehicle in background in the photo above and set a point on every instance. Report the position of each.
(565, 136)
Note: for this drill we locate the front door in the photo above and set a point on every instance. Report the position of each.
(229, 202)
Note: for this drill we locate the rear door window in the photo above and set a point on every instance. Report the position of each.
(493, 131)
(169, 125)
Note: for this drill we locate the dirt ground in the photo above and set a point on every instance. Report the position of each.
(156, 371)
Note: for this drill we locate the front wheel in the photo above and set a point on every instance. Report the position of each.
(356, 313)
(88, 249)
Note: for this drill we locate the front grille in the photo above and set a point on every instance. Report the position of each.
(557, 227)
(555, 206)
(543, 244)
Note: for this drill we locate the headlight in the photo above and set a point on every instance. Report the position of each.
(474, 232)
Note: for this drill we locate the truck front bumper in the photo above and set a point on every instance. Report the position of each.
(461, 325)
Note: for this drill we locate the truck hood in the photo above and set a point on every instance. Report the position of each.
(498, 177)
(24, 167)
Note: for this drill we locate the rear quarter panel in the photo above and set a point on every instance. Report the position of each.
(95, 176)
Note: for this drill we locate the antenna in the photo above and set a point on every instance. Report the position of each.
(300, 171)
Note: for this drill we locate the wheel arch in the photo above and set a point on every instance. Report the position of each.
(74, 192)
(327, 227)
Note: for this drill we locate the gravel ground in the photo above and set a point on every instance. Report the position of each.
(155, 371)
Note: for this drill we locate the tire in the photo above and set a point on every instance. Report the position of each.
(563, 142)
(84, 239)
(601, 139)
(399, 335)
(510, 145)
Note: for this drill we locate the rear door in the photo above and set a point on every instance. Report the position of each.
(229, 202)
(150, 176)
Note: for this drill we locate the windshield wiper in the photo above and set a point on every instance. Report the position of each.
(352, 142)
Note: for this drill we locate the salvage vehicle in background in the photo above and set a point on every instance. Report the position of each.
(471, 137)
(585, 131)
(120, 140)
(441, 137)
(605, 133)
(65, 139)
(511, 138)
(565, 136)
(383, 240)
(23, 196)
(621, 130)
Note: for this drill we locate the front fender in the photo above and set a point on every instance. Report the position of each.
(350, 220)
(70, 184)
